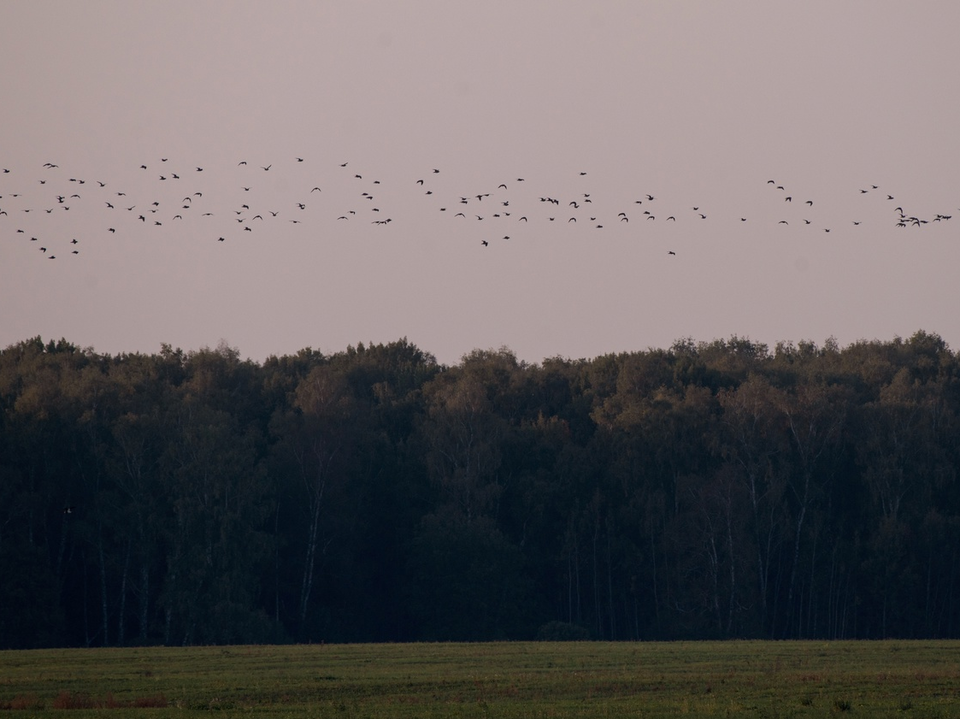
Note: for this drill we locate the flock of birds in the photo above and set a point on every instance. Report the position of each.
(166, 195)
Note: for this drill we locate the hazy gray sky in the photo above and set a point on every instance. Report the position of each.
(695, 103)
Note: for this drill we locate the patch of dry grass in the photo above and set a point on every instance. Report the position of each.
(578, 679)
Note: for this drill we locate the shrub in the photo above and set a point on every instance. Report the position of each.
(23, 702)
(562, 632)
(73, 700)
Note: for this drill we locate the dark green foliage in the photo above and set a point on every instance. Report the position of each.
(711, 490)
(562, 632)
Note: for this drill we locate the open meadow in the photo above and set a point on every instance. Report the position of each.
(581, 679)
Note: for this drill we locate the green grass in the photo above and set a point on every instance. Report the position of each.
(583, 679)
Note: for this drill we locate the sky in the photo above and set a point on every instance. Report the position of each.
(604, 104)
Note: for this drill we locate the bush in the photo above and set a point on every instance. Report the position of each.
(23, 702)
(562, 632)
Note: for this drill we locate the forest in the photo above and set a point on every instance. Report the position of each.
(711, 490)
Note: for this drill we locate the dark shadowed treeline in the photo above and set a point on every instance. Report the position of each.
(709, 490)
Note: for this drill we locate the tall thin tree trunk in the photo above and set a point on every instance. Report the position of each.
(144, 609)
(123, 596)
(656, 595)
(811, 601)
(733, 568)
(596, 585)
(613, 622)
(104, 608)
(306, 585)
(276, 565)
(796, 550)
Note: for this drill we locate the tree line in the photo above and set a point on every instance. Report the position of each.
(709, 490)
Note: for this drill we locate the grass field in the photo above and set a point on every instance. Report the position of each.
(583, 679)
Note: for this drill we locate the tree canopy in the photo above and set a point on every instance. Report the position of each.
(709, 490)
